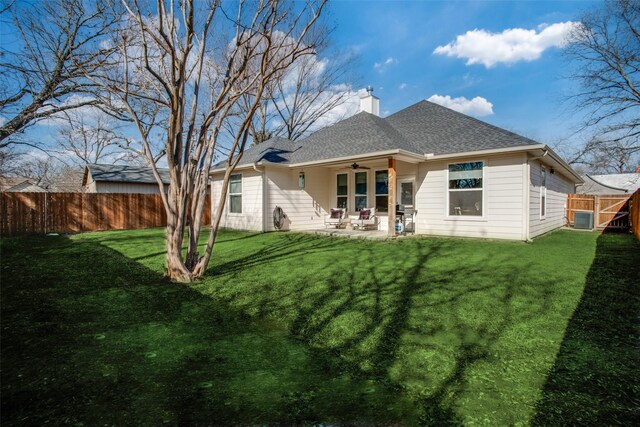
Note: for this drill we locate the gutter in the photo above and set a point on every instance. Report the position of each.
(265, 203)
(420, 157)
(527, 192)
(397, 152)
(247, 166)
(431, 156)
(543, 147)
(565, 165)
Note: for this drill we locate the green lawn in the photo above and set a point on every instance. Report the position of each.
(296, 329)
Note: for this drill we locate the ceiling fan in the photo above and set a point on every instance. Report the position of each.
(356, 166)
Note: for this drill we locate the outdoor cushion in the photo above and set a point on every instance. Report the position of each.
(365, 213)
(336, 213)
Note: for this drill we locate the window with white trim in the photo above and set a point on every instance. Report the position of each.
(466, 189)
(382, 191)
(406, 193)
(235, 193)
(360, 190)
(543, 192)
(342, 190)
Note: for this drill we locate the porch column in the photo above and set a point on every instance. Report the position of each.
(391, 231)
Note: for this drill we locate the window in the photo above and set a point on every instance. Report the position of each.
(465, 189)
(342, 190)
(235, 193)
(361, 190)
(543, 192)
(382, 191)
(406, 193)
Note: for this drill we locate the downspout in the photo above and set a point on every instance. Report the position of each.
(527, 213)
(264, 195)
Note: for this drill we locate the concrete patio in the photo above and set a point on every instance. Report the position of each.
(356, 234)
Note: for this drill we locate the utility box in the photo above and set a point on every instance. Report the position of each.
(583, 220)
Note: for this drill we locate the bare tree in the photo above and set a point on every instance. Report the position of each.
(43, 69)
(183, 73)
(311, 89)
(89, 137)
(9, 161)
(302, 98)
(43, 170)
(605, 51)
(597, 156)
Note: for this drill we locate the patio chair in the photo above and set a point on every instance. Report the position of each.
(337, 218)
(367, 220)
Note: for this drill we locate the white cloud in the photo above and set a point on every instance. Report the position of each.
(381, 66)
(477, 107)
(507, 47)
(402, 86)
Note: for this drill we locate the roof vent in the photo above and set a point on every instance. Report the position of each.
(370, 103)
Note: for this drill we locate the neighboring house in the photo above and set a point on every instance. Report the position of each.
(460, 176)
(19, 185)
(122, 179)
(69, 181)
(619, 183)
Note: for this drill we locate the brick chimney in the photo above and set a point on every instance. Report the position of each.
(370, 103)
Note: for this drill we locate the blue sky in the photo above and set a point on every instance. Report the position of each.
(396, 41)
(498, 59)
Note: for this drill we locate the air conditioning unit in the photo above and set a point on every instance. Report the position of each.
(583, 220)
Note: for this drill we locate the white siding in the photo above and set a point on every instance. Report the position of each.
(304, 208)
(251, 216)
(404, 170)
(503, 200)
(558, 186)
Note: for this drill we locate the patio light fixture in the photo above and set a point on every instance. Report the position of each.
(301, 180)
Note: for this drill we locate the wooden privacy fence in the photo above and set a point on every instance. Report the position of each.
(609, 211)
(40, 213)
(634, 208)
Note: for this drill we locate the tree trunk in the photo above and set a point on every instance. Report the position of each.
(176, 271)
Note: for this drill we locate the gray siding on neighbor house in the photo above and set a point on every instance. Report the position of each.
(122, 187)
(558, 186)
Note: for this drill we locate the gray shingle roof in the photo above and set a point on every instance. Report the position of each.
(422, 128)
(125, 173)
(275, 150)
(69, 181)
(440, 130)
(360, 134)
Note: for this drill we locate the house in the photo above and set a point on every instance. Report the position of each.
(19, 184)
(122, 179)
(68, 181)
(619, 183)
(458, 175)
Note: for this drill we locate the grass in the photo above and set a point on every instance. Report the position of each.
(297, 329)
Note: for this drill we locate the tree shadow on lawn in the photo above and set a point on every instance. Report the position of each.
(92, 337)
(431, 332)
(454, 335)
(595, 378)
